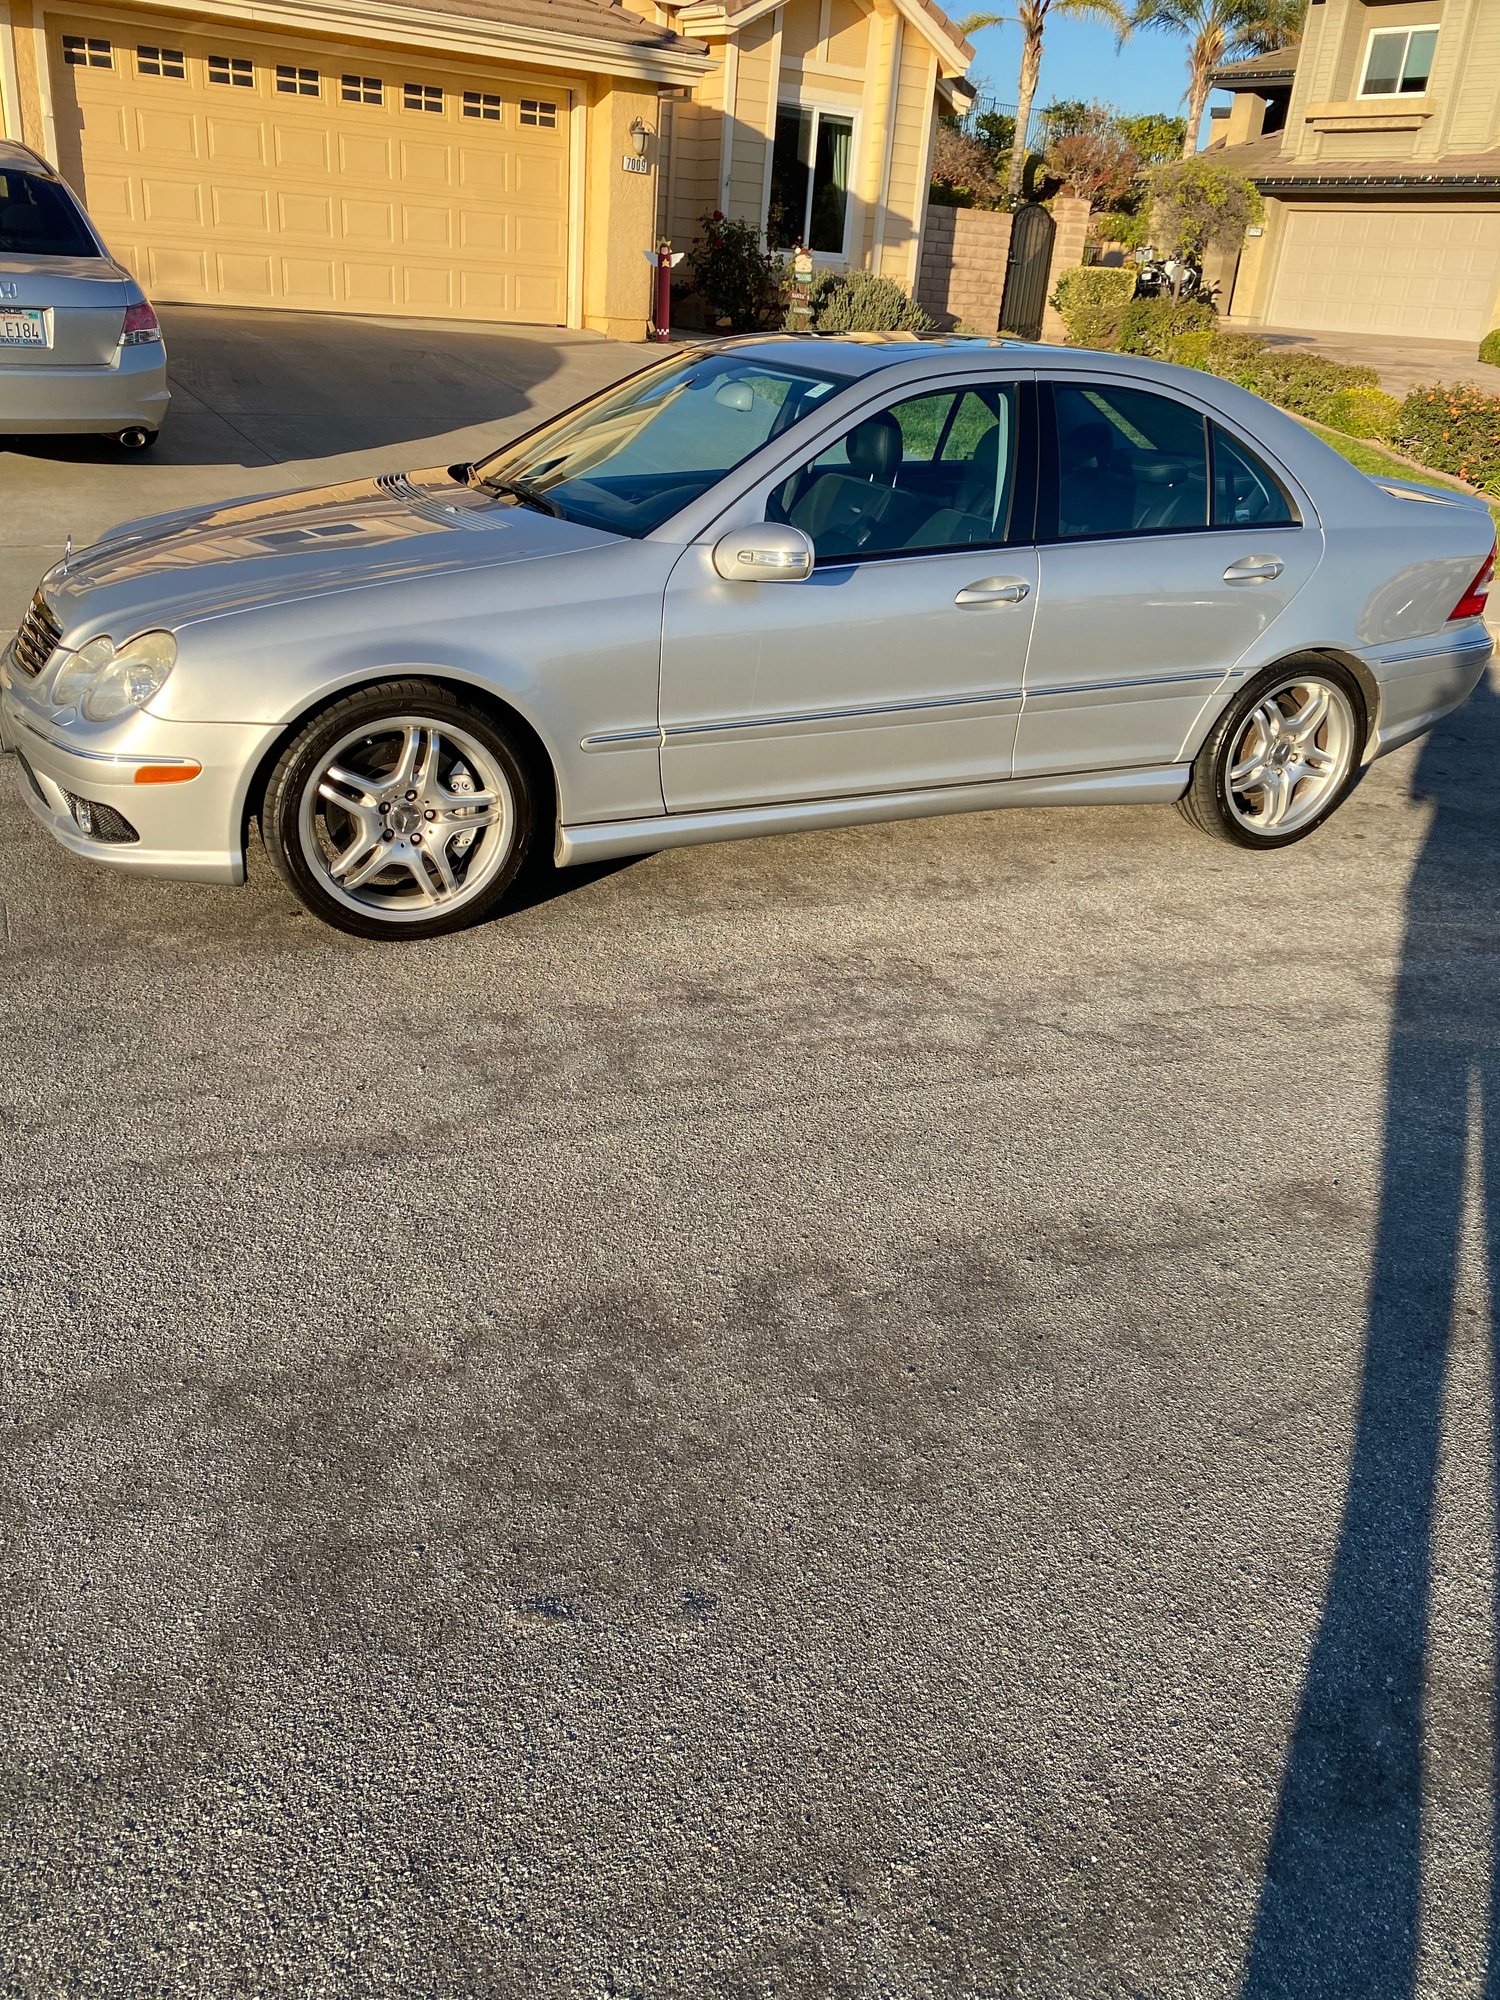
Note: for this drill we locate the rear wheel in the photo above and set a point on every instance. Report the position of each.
(399, 812)
(1284, 755)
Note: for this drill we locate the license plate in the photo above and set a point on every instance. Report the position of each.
(23, 326)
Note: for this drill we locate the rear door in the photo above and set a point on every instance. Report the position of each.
(1167, 547)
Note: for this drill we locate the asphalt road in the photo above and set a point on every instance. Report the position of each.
(871, 1414)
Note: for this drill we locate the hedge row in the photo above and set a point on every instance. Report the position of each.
(1452, 429)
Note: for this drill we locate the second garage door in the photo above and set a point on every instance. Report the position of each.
(1382, 270)
(314, 175)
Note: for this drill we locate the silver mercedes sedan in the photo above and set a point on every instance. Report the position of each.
(80, 349)
(764, 585)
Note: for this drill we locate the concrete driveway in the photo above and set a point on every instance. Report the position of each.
(888, 1414)
(1402, 365)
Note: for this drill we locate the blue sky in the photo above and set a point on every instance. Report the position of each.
(1079, 59)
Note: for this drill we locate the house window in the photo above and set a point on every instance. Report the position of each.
(294, 82)
(362, 90)
(810, 181)
(85, 52)
(480, 104)
(236, 70)
(535, 111)
(160, 62)
(423, 97)
(1398, 62)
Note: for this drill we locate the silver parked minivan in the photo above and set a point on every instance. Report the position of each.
(80, 349)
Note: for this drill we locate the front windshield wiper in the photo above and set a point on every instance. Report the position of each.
(519, 490)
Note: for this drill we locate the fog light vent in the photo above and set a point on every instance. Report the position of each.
(100, 822)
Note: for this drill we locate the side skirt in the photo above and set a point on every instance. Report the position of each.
(612, 839)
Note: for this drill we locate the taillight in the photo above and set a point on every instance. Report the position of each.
(140, 326)
(1474, 599)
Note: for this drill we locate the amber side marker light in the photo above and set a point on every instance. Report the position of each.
(166, 774)
(1474, 599)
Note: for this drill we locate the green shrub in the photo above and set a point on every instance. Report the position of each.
(1130, 227)
(1453, 427)
(1192, 350)
(859, 302)
(1362, 413)
(1151, 326)
(1233, 356)
(1489, 347)
(1092, 301)
(738, 282)
(1304, 383)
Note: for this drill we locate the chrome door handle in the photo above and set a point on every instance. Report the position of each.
(994, 590)
(1253, 569)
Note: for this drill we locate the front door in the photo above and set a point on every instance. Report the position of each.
(1167, 547)
(899, 663)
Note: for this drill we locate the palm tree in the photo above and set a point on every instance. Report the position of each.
(1218, 31)
(1031, 17)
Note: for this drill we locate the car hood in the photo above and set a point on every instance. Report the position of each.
(209, 562)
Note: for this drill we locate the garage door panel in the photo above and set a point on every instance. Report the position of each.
(308, 281)
(301, 151)
(246, 277)
(305, 214)
(1388, 270)
(234, 142)
(172, 201)
(298, 195)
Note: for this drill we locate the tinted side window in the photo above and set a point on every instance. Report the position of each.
(1128, 463)
(932, 472)
(1246, 493)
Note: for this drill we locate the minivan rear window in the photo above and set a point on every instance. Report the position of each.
(39, 218)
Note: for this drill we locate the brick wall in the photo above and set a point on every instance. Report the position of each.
(962, 272)
(1070, 215)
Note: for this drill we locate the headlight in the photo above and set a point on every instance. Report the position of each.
(105, 681)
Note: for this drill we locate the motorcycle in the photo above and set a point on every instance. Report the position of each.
(1166, 277)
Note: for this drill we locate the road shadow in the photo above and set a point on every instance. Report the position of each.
(269, 387)
(1339, 1908)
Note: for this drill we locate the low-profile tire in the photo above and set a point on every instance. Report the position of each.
(401, 811)
(1283, 756)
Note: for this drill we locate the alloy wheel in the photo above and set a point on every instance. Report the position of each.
(1292, 754)
(406, 818)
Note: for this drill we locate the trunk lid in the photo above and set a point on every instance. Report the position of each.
(83, 300)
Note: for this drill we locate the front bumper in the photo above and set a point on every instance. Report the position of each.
(106, 397)
(192, 831)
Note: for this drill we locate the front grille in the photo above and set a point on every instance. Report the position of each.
(38, 637)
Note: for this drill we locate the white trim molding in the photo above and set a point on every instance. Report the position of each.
(451, 34)
(10, 80)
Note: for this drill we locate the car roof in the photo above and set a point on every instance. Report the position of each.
(14, 154)
(856, 354)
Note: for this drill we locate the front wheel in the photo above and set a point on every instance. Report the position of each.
(1282, 757)
(399, 812)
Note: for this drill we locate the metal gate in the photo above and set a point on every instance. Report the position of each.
(1025, 296)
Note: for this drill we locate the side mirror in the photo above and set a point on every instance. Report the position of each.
(769, 553)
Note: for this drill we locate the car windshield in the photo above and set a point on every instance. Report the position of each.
(635, 456)
(38, 218)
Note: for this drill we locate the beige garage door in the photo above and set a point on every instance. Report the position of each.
(1389, 271)
(294, 173)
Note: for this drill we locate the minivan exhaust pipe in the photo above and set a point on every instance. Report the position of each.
(135, 437)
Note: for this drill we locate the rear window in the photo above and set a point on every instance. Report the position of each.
(39, 218)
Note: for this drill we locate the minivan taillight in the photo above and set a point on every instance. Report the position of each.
(1474, 599)
(140, 326)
